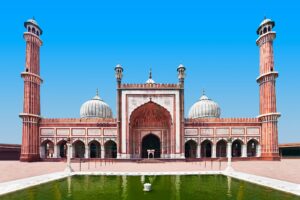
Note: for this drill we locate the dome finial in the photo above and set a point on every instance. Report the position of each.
(203, 92)
(150, 73)
(150, 80)
(97, 92)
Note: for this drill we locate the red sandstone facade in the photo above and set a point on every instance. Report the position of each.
(150, 116)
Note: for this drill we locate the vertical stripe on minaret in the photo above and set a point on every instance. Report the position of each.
(267, 79)
(31, 104)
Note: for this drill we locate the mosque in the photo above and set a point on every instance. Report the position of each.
(150, 118)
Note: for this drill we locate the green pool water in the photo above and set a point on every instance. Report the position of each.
(164, 188)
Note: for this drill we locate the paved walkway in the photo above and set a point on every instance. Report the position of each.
(286, 169)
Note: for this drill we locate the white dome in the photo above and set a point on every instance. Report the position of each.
(95, 108)
(150, 81)
(32, 21)
(205, 108)
(265, 21)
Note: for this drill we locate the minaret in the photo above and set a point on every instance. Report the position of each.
(181, 76)
(267, 79)
(32, 81)
(119, 76)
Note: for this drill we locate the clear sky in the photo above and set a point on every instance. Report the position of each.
(84, 40)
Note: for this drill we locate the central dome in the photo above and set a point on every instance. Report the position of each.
(205, 108)
(95, 108)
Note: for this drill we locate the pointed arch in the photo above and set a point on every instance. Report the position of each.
(110, 149)
(149, 118)
(94, 149)
(151, 141)
(221, 148)
(47, 149)
(252, 147)
(79, 149)
(191, 149)
(149, 111)
(237, 148)
(206, 149)
(62, 148)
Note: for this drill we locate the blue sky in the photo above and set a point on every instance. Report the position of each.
(84, 40)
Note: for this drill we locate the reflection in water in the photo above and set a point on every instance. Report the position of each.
(124, 187)
(164, 188)
(229, 186)
(151, 179)
(143, 179)
(177, 187)
(69, 181)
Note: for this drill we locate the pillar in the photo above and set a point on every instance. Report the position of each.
(244, 150)
(103, 151)
(87, 151)
(42, 152)
(214, 151)
(229, 149)
(55, 153)
(258, 151)
(199, 151)
(229, 156)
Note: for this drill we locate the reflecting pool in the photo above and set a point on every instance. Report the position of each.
(192, 187)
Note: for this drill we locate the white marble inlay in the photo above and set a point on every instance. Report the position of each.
(222, 131)
(93, 131)
(238, 131)
(206, 131)
(191, 131)
(64, 132)
(143, 96)
(253, 131)
(47, 131)
(78, 132)
(110, 131)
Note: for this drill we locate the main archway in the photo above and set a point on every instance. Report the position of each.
(150, 142)
(150, 124)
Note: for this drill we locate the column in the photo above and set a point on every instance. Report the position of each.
(69, 153)
(199, 151)
(258, 150)
(214, 151)
(72, 151)
(229, 151)
(42, 152)
(87, 151)
(244, 150)
(229, 156)
(55, 151)
(102, 152)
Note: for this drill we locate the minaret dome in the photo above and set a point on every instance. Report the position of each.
(32, 27)
(265, 26)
